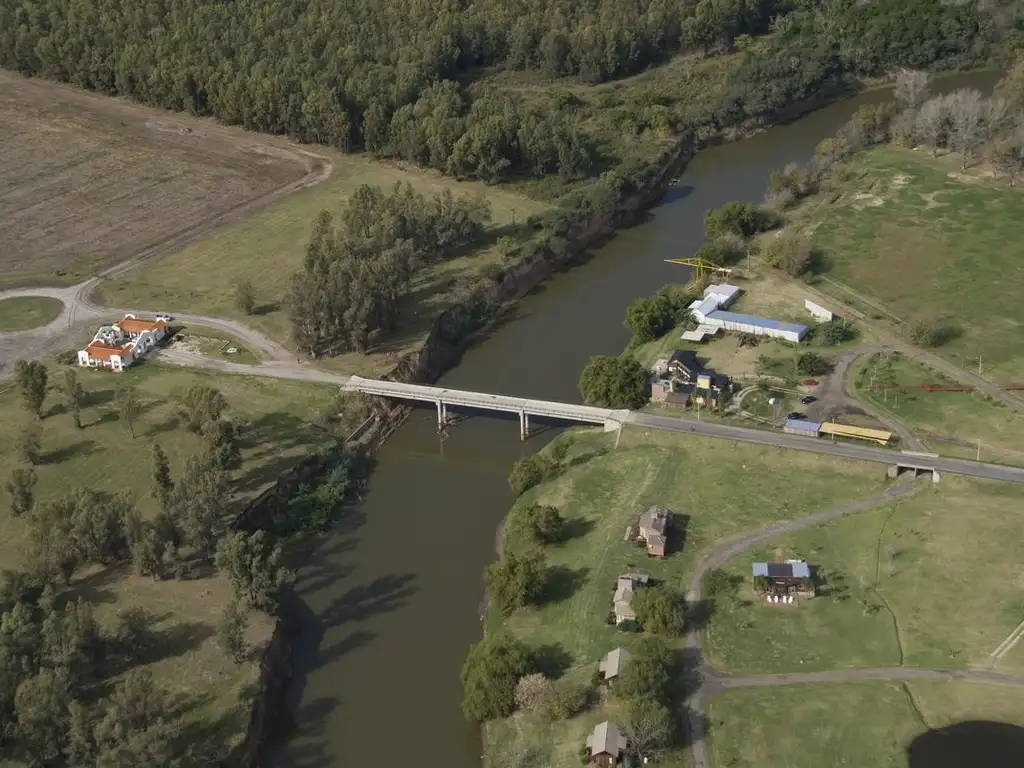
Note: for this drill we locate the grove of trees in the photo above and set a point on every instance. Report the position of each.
(358, 270)
(614, 382)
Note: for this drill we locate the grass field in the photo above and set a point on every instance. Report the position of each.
(22, 313)
(268, 248)
(921, 240)
(950, 423)
(717, 489)
(903, 565)
(863, 724)
(91, 181)
(103, 456)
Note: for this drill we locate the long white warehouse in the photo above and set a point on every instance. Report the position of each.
(711, 311)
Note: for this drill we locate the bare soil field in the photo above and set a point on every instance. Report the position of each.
(89, 182)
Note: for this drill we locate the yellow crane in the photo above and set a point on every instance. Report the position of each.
(700, 267)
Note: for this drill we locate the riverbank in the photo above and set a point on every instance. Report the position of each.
(382, 604)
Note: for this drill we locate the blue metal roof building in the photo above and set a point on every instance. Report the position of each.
(761, 326)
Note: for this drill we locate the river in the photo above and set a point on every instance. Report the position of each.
(391, 600)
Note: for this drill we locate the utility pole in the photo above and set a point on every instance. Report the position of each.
(979, 450)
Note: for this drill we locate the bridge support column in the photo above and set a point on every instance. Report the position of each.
(524, 425)
(441, 415)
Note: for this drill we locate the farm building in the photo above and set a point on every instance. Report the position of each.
(792, 577)
(802, 427)
(711, 311)
(119, 345)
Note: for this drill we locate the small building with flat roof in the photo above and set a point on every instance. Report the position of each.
(802, 427)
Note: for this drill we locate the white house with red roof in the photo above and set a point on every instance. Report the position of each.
(119, 345)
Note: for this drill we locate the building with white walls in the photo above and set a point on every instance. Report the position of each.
(711, 311)
(119, 345)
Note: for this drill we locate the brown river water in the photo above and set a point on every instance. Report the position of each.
(391, 600)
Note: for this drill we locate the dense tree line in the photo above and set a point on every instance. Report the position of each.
(358, 270)
(392, 78)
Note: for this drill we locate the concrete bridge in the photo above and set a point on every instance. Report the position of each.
(608, 418)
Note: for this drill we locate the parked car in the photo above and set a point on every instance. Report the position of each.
(795, 415)
(164, 318)
(807, 399)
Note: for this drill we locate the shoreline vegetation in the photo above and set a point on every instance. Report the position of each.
(527, 612)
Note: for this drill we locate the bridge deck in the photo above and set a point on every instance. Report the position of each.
(423, 393)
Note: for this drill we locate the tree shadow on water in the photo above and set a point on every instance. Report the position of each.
(978, 744)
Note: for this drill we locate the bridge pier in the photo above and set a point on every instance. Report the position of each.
(442, 415)
(524, 425)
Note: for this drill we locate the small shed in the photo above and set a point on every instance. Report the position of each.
(802, 427)
(605, 745)
(613, 662)
(790, 578)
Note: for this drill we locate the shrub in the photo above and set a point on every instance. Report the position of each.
(490, 674)
(531, 690)
(515, 580)
(564, 700)
(660, 609)
(718, 583)
(526, 473)
(649, 672)
(543, 523)
(838, 331)
(741, 219)
(925, 333)
(789, 253)
(614, 382)
(812, 364)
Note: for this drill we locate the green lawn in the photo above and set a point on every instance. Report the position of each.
(956, 544)
(103, 456)
(922, 240)
(718, 490)
(856, 724)
(950, 423)
(268, 247)
(22, 313)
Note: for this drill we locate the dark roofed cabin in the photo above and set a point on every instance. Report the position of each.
(792, 578)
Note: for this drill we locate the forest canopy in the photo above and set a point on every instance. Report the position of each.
(399, 79)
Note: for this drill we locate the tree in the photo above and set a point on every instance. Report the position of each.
(29, 444)
(148, 548)
(736, 218)
(531, 691)
(201, 405)
(1008, 154)
(647, 727)
(490, 674)
(163, 484)
(515, 580)
(614, 382)
(231, 630)
(21, 488)
(933, 122)
(650, 318)
(649, 673)
(198, 502)
(254, 566)
(527, 472)
(30, 379)
(221, 443)
(966, 122)
(838, 331)
(245, 296)
(660, 609)
(543, 522)
(40, 706)
(129, 405)
(74, 396)
(925, 333)
(564, 699)
(790, 253)
(134, 730)
(911, 88)
(812, 364)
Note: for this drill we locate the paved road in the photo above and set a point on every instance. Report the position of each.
(822, 446)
